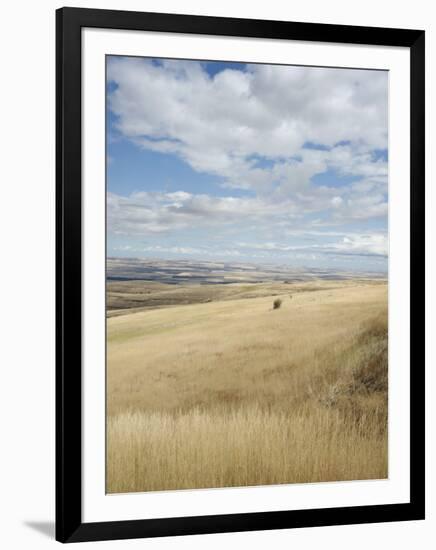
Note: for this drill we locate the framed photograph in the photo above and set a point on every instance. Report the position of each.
(240, 275)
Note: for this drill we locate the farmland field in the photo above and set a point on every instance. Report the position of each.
(209, 386)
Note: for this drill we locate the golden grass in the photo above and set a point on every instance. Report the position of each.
(249, 446)
(235, 393)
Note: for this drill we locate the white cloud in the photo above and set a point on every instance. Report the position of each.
(375, 244)
(353, 245)
(252, 129)
(218, 124)
(146, 213)
(184, 250)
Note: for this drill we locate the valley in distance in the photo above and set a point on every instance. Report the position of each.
(232, 374)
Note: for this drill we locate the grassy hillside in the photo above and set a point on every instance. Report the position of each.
(134, 296)
(232, 392)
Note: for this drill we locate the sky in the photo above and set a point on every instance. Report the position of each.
(247, 163)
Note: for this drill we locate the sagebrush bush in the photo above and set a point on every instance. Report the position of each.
(277, 303)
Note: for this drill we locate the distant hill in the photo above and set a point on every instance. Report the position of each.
(209, 272)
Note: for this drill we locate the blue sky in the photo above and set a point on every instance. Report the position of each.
(247, 163)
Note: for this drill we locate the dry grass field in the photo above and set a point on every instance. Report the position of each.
(209, 386)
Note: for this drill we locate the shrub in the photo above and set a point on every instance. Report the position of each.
(277, 303)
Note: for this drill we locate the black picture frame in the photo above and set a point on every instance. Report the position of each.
(69, 525)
